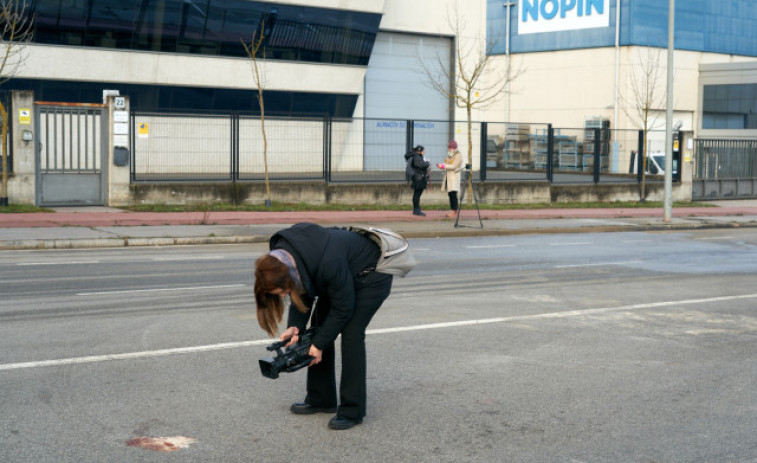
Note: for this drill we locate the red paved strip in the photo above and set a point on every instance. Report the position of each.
(105, 219)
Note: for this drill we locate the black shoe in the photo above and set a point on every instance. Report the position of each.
(338, 423)
(304, 408)
(418, 212)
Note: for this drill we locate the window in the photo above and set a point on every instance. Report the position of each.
(164, 98)
(730, 107)
(208, 27)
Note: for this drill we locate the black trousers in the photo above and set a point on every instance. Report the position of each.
(417, 199)
(452, 200)
(370, 292)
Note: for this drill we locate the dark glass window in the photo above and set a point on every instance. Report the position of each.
(163, 98)
(109, 24)
(731, 107)
(208, 27)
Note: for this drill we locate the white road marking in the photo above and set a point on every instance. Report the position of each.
(492, 246)
(716, 238)
(70, 262)
(235, 345)
(190, 288)
(551, 315)
(599, 264)
(132, 355)
(570, 244)
(154, 259)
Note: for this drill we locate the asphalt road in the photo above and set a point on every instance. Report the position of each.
(594, 347)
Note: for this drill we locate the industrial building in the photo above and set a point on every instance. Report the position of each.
(582, 60)
(573, 65)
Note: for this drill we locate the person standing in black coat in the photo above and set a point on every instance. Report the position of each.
(417, 174)
(327, 275)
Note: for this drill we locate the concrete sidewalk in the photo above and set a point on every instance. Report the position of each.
(106, 227)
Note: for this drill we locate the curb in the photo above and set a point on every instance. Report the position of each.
(128, 242)
(260, 238)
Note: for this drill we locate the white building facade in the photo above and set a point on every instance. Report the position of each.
(364, 65)
(594, 59)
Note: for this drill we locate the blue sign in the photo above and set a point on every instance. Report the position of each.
(535, 16)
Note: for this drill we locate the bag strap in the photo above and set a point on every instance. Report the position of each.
(313, 312)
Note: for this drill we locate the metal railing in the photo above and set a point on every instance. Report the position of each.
(191, 147)
(725, 169)
(725, 159)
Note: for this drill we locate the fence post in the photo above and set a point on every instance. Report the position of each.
(133, 144)
(409, 135)
(234, 147)
(677, 140)
(597, 154)
(327, 148)
(550, 152)
(482, 163)
(640, 156)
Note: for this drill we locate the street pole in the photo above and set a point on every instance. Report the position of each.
(507, 6)
(668, 198)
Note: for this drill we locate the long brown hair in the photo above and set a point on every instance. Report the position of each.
(272, 274)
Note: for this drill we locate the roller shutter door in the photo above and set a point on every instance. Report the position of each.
(397, 90)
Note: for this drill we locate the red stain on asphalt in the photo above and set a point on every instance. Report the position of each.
(160, 444)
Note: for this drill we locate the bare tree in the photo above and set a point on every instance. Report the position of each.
(471, 81)
(648, 97)
(252, 50)
(16, 34)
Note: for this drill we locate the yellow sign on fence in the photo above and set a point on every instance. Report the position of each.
(143, 130)
(25, 116)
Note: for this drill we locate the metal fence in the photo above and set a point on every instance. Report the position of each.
(725, 169)
(190, 147)
(725, 159)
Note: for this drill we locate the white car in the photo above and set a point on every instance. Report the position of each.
(655, 163)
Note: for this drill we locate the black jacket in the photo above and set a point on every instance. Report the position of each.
(328, 260)
(419, 168)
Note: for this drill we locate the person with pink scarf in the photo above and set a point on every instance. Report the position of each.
(452, 166)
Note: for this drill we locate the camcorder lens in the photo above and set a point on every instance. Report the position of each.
(268, 368)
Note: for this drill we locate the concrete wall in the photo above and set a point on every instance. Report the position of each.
(150, 68)
(391, 194)
(22, 179)
(118, 177)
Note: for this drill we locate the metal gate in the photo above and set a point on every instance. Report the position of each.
(70, 154)
(725, 169)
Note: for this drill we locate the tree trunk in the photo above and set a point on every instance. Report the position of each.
(469, 185)
(265, 152)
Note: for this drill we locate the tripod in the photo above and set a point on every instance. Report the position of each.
(462, 197)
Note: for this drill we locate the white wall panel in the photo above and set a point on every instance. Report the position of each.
(94, 65)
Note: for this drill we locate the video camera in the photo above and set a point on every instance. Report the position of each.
(291, 359)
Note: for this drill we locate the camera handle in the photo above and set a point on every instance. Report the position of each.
(278, 345)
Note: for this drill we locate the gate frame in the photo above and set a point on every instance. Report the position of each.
(104, 152)
(736, 183)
